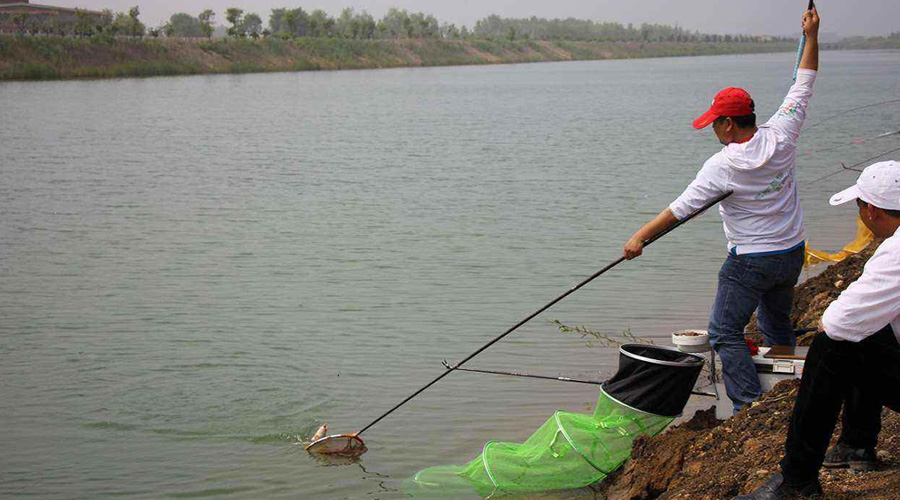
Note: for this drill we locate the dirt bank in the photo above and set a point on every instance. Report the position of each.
(706, 458)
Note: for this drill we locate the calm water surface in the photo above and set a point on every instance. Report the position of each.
(196, 272)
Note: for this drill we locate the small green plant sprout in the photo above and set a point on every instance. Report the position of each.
(601, 339)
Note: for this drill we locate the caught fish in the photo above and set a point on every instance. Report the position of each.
(320, 433)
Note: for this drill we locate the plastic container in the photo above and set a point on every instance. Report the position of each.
(691, 343)
(770, 372)
(774, 370)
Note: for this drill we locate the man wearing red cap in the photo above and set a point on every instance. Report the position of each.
(762, 218)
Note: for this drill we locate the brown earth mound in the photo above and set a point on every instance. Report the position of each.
(706, 458)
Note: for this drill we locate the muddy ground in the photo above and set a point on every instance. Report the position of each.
(705, 458)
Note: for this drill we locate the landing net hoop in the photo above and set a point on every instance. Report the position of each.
(347, 445)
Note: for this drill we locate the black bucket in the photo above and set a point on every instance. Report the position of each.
(654, 379)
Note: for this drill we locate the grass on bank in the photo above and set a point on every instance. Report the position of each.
(36, 58)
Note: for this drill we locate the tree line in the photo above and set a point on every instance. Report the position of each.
(289, 23)
(534, 28)
(297, 22)
(108, 24)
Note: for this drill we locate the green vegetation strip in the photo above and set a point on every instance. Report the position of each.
(49, 57)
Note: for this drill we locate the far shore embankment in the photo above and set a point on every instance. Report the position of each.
(41, 58)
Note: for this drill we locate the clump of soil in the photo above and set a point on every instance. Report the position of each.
(813, 296)
(706, 458)
(655, 462)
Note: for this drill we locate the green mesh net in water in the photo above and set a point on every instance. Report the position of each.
(569, 451)
(572, 450)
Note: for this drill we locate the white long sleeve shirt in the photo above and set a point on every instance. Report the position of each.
(871, 302)
(764, 214)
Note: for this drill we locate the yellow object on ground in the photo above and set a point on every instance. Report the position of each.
(863, 238)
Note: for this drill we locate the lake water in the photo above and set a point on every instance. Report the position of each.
(197, 271)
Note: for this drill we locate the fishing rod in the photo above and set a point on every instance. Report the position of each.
(853, 167)
(798, 331)
(852, 143)
(352, 444)
(545, 377)
(891, 101)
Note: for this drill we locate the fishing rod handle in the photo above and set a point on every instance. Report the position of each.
(802, 46)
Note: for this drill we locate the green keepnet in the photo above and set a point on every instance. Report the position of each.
(569, 451)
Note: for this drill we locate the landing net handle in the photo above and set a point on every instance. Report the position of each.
(548, 306)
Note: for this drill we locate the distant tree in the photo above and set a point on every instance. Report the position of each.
(20, 21)
(84, 24)
(366, 25)
(104, 22)
(252, 25)
(398, 23)
(137, 28)
(276, 19)
(289, 23)
(408, 28)
(449, 31)
(320, 24)
(184, 26)
(36, 26)
(207, 18)
(121, 24)
(393, 24)
(156, 32)
(345, 26)
(421, 25)
(235, 16)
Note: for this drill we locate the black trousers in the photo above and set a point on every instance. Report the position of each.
(863, 376)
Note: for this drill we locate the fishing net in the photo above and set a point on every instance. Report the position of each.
(338, 444)
(572, 450)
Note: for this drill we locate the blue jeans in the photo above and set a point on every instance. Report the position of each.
(762, 283)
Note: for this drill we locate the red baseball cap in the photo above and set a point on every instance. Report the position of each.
(729, 102)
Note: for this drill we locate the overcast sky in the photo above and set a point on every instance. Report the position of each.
(773, 17)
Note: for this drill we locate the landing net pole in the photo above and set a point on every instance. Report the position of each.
(548, 306)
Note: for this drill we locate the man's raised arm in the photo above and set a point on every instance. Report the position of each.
(810, 23)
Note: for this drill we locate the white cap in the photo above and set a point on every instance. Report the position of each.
(878, 184)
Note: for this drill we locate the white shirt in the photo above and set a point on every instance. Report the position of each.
(763, 214)
(871, 302)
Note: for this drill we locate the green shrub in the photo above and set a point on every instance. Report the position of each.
(34, 71)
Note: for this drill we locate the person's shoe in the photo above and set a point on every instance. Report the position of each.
(776, 489)
(841, 455)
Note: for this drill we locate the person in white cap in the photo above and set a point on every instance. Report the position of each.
(856, 362)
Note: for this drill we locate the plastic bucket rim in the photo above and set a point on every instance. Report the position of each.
(645, 412)
(696, 360)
